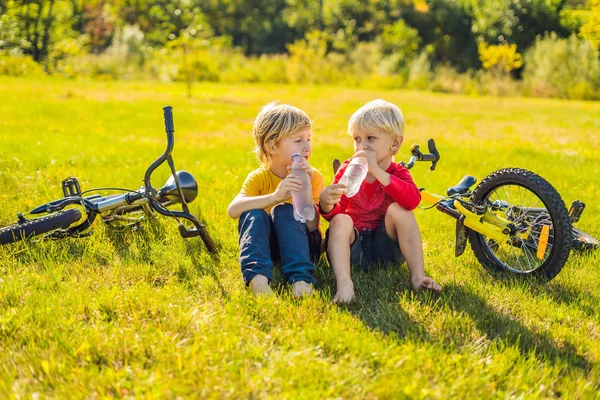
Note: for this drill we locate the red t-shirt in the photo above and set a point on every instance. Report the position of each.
(367, 208)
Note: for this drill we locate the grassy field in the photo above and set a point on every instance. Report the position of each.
(147, 314)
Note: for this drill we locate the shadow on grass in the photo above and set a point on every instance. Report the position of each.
(204, 262)
(43, 252)
(144, 235)
(558, 292)
(500, 326)
(378, 295)
(569, 296)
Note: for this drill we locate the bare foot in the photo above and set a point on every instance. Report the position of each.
(302, 288)
(260, 286)
(344, 293)
(426, 283)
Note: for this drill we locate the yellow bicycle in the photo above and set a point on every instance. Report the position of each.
(514, 219)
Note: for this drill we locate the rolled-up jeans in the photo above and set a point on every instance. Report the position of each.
(266, 239)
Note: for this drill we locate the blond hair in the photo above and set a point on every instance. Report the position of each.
(276, 121)
(378, 116)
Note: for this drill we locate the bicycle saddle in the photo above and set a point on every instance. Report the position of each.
(463, 186)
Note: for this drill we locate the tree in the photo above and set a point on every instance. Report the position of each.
(190, 46)
(591, 29)
(516, 21)
(41, 24)
(446, 31)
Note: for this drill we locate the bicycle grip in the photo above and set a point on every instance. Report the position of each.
(168, 111)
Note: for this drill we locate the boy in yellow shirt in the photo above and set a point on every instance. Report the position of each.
(267, 228)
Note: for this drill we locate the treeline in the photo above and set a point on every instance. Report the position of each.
(540, 47)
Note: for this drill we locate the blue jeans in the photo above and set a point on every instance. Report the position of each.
(265, 239)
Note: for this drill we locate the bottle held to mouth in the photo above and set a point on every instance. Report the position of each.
(354, 175)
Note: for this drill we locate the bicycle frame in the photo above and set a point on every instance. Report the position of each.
(487, 224)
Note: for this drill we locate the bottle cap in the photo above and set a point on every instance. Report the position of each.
(295, 155)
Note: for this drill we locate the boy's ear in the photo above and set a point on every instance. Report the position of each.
(272, 147)
(396, 144)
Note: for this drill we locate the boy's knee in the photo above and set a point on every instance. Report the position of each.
(282, 210)
(252, 217)
(341, 229)
(397, 211)
(255, 214)
(341, 223)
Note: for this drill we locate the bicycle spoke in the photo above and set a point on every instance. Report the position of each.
(527, 256)
(527, 213)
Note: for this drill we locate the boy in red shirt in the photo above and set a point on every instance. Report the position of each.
(377, 222)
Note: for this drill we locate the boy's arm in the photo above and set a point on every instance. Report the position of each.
(250, 199)
(313, 224)
(331, 201)
(402, 189)
(243, 202)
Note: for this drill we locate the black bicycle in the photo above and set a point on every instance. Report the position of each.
(72, 215)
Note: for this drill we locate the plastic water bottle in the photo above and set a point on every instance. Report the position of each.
(304, 207)
(354, 175)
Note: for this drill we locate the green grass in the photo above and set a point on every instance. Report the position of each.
(148, 314)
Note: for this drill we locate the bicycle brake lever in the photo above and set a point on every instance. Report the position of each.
(435, 152)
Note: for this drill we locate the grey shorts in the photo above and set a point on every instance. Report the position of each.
(372, 246)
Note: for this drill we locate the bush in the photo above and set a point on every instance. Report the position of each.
(19, 66)
(401, 41)
(567, 68)
(446, 79)
(308, 58)
(419, 75)
(364, 59)
(235, 67)
(500, 59)
(122, 60)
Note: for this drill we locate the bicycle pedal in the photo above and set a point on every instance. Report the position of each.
(70, 187)
(576, 210)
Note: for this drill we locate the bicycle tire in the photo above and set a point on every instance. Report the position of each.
(38, 226)
(584, 241)
(557, 212)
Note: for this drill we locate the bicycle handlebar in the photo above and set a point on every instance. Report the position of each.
(199, 229)
(434, 155)
(168, 114)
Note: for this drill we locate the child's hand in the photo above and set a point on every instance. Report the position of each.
(371, 158)
(305, 166)
(332, 195)
(291, 183)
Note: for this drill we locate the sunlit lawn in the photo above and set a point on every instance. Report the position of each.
(148, 314)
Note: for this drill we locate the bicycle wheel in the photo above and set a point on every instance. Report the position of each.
(38, 226)
(538, 240)
(583, 241)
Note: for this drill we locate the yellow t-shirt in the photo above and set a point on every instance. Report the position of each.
(263, 181)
